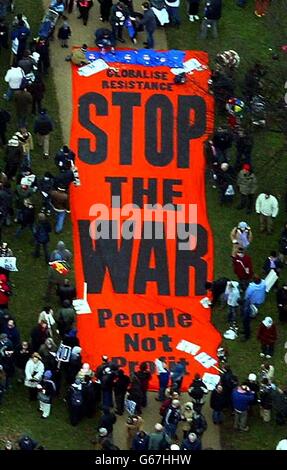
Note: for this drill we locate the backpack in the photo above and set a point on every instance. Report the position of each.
(76, 397)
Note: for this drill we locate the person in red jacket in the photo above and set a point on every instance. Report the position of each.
(267, 335)
(261, 7)
(5, 291)
(84, 9)
(242, 267)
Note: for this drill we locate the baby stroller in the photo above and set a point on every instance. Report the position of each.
(48, 24)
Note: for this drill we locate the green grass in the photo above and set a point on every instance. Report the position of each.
(251, 38)
(238, 30)
(18, 415)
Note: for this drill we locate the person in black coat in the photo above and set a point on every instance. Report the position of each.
(37, 90)
(14, 157)
(66, 291)
(149, 23)
(140, 442)
(282, 302)
(26, 218)
(43, 126)
(121, 384)
(105, 9)
(21, 355)
(4, 119)
(107, 421)
(41, 236)
(39, 334)
(89, 401)
(144, 376)
(217, 404)
(217, 288)
(4, 33)
(212, 13)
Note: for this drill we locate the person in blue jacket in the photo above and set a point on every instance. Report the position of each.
(242, 397)
(256, 291)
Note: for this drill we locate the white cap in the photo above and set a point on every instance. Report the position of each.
(174, 447)
(158, 427)
(268, 322)
(252, 377)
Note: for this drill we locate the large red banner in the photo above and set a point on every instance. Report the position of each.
(142, 240)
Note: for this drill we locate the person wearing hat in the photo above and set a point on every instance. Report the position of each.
(253, 384)
(187, 416)
(267, 207)
(46, 392)
(61, 250)
(267, 335)
(78, 56)
(75, 402)
(241, 236)
(247, 184)
(34, 371)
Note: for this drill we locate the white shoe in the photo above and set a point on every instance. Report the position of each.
(267, 356)
(262, 355)
(191, 18)
(196, 17)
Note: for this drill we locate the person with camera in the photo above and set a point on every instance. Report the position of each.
(242, 397)
(241, 237)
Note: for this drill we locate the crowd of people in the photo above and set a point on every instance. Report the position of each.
(31, 201)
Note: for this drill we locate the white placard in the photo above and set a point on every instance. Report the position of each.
(64, 353)
(270, 280)
(188, 67)
(205, 360)
(210, 380)
(96, 66)
(81, 306)
(205, 302)
(188, 347)
(8, 263)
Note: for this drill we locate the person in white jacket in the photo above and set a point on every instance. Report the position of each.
(267, 207)
(34, 371)
(13, 77)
